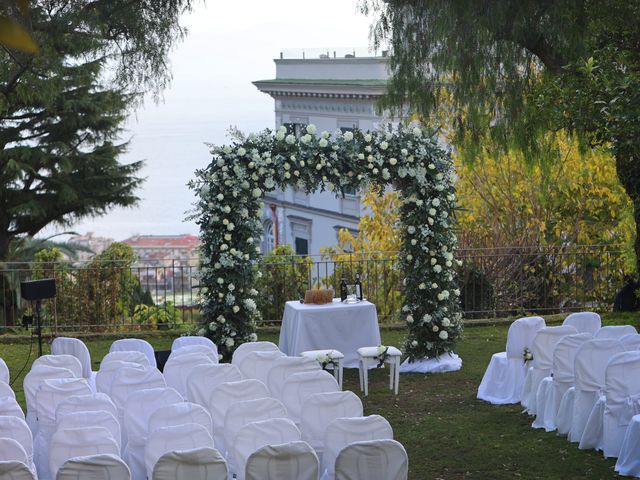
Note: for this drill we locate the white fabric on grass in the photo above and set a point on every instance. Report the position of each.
(503, 380)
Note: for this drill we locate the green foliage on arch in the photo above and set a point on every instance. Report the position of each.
(230, 192)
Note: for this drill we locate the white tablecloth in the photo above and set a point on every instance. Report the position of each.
(345, 327)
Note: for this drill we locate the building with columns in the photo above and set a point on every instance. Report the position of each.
(332, 92)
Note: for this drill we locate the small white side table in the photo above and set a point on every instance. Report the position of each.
(368, 356)
(339, 356)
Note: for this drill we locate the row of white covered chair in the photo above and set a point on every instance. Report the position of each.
(587, 386)
(310, 379)
(505, 379)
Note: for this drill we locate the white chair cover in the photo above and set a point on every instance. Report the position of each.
(284, 367)
(131, 380)
(60, 361)
(79, 442)
(256, 435)
(95, 402)
(320, 409)
(94, 467)
(503, 380)
(179, 414)
(589, 371)
(243, 413)
(168, 439)
(75, 347)
(99, 418)
(30, 385)
(373, 460)
(109, 371)
(204, 379)
(9, 407)
(138, 409)
(202, 349)
(542, 349)
(14, 470)
(12, 451)
(621, 402)
(194, 340)
(614, 331)
(300, 386)
(4, 372)
(49, 395)
(562, 369)
(131, 356)
(564, 417)
(341, 432)
(6, 390)
(198, 464)
(258, 364)
(17, 428)
(135, 344)
(228, 394)
(584, 322)
(248, 347)
(178, 368)
(277, 462)
(631, 341)
(628, 463)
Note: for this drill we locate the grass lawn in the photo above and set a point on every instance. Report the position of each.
(448, 434)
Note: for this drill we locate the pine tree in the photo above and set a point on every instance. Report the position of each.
(62, 109)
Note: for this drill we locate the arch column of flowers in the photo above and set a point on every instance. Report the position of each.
(230, 192)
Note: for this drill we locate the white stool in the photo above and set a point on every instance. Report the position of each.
(368, 356)
(336, 354)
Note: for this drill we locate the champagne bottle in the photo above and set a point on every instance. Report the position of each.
(358, 287)
(343, 289)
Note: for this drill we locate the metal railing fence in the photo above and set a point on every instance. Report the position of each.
(494, 282)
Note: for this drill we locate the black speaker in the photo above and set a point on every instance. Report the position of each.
(38, 289)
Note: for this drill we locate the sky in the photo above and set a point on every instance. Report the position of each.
(230, 44)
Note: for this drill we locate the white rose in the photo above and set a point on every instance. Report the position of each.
(409, 257)
(434, 261)
(256, 192)
(227, 150)
(432, 211)
(323, 143)
(434, 285)
(435, 328)
(435, 202)
(220, 280)
(280, 135)
(325, 134)
(456, 292)
(419, 202)
(311, 129)
(241, 152)
(432, 166)
(413, 241)
(253, 337)
(305, 138)
(446, 322)
(414, 343)
(290, 139)
(226, 209)
(417, 132)
(404, 152)
(411, 229)
(236, 309)
(422, 286)
(220, 197)
(443, 335)
(384, 145)
(409, 319)
(229, 342)
(437, 268)
(227, 237)
(367, 138)
(348, 136)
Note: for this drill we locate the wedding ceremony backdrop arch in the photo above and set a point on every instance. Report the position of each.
(230, 192)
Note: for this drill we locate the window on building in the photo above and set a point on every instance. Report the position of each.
(302, 246)
(268, 237)
(295, 128)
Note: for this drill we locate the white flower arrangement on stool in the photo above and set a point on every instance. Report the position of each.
(230, 192)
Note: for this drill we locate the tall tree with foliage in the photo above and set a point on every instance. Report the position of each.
(62, 109)
(519, 68)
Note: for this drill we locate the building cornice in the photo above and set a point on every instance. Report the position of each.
(346, 90)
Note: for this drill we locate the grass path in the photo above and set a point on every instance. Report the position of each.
(448, 434)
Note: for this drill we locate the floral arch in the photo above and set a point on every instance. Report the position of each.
(230, 192)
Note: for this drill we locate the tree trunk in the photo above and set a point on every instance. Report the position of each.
(7, 292)
(628, 170)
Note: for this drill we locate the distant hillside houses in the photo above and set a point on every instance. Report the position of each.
(165, 250)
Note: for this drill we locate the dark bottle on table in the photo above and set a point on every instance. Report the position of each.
(358, 287)
(343, 290)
